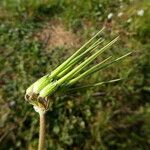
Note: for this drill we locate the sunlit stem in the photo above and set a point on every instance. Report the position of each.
(41, 144)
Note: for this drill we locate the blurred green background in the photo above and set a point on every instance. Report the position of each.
(36, 36)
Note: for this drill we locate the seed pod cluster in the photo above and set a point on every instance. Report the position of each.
(71, 71)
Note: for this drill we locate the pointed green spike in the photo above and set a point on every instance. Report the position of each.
(49, 89)
(96, 84)
(85, 63)
(78, 59)
(112, 62)
(97, 68)
(61, 67)
(92, 47)
(86, 73)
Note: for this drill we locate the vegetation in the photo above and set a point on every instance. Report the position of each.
(38, 36)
